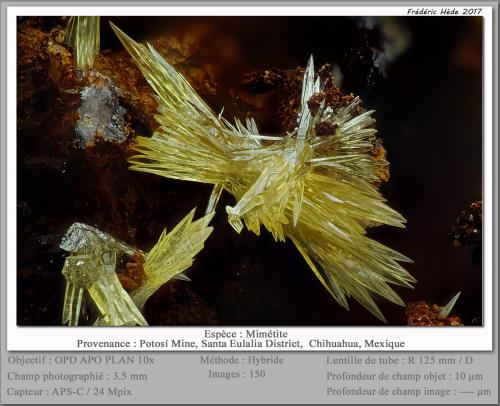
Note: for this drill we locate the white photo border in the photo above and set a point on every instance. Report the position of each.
(155, 338)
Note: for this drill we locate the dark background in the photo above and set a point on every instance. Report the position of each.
(429, 115)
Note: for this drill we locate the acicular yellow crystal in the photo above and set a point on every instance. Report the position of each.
(316, 191)
(173, 253)
(83, 34)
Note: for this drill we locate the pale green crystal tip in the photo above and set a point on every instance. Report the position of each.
(446, 310)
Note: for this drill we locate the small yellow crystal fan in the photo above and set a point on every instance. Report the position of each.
(92, 262)
(318, 191)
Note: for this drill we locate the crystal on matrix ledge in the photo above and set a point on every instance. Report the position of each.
(317, 190)
(92, 267)
(423, 314)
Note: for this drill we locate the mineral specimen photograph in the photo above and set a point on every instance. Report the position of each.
(249, 171)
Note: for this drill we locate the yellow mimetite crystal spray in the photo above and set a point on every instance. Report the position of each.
(82, 33)
(317, 191)
(91, 266)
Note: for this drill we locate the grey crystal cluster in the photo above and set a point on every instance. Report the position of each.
(100, 115)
